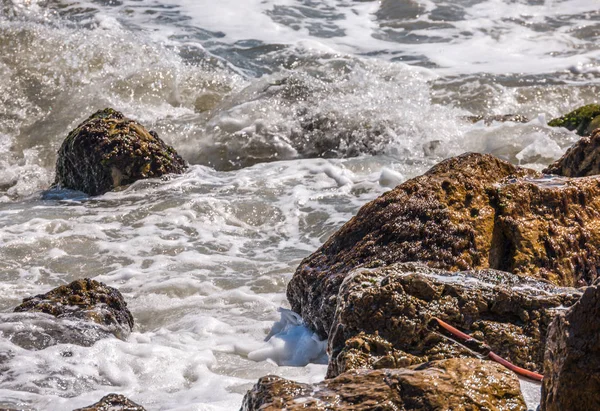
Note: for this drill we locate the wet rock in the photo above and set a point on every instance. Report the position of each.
(109, 150)
(113, 402)
(384, 316)
(502, 118)
(582, 120)
(469, 212)
(444, 218)
(439, 385)
(572, 360)
(581, 160)
(369, 351)
(81, 312)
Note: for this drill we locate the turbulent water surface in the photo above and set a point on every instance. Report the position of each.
(292, 114)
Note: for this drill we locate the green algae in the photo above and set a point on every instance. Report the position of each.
(583, 120)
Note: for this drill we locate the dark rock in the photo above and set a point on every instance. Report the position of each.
(582, 120)
(109, 150)
(83, 312)
(384, 316)
(113, 402)
(469, 212)
(502, 118)
(470, 384)
(581, 160)
(572, 361)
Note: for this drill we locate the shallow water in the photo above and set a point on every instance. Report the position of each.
(292, 114)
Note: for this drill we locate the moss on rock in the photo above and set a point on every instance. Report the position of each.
(583, 120)
(109, 150)
(86, 300)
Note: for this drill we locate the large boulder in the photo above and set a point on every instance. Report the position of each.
(582, 120)
(454, 384)
(109, 150)
(114, 402)
(572, 361)
(81, 312)
(384, 316)
(474, 211)
(581, 160)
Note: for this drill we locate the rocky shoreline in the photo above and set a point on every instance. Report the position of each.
(505, 256)
(492, 250)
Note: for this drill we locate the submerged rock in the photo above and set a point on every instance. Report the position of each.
(109, 150)
(384, 316)
(474, 211)
(327, 136)
(581, 160)
(572, 361)
(81, 312)
(438, 385)
(501, 118)
(582, 120)
(113, 402)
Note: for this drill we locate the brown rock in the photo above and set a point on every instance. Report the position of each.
(455, 384)
(581, 160)
(469, 212)
(113, 402)
(384, 316)
(369, 351)
(86, 302)
(109, 150)
(572, 360)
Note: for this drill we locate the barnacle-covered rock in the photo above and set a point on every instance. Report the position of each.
(81, 312)
(113, 402)
(109, 150)
(465, 384)
(473, 211)
(581, 160)
(572, 361)
(384, 316)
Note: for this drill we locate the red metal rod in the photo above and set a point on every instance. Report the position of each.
(494, 357)
(452, 330)
(514, 368)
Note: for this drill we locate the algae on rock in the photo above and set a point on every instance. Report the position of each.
(582, 120)
(109, 150)
(113, 402)
(81, 312)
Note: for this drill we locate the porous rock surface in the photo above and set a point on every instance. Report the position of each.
(109, 150)
(84, 310)
(454, 384)
(572, 360)
(113, 402)
(384, 316)
(581, 160)
(582, 120)
(473, 211)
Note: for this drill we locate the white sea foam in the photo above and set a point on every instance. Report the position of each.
(203, 259)
(290, 342)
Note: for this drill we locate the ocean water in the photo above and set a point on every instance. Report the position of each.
(292, 114)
